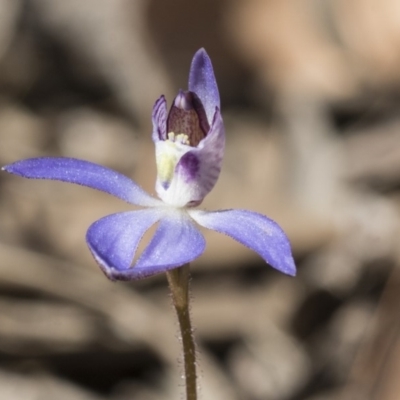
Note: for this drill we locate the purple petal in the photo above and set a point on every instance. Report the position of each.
(176, 242)
(113, 240)
(202, 82)
(255, 231)
(159, 118)
(200, 167)
(83, 173)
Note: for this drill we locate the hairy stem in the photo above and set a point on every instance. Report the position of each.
(178, 280)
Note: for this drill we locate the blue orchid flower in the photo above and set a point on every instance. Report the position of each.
(189, 142)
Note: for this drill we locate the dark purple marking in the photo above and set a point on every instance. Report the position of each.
(188, 166)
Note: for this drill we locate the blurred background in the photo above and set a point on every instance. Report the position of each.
(311, 100)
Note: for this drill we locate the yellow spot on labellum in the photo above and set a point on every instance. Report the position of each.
(165, 166)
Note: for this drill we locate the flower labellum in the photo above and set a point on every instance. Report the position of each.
(189, 143)
(190, 140)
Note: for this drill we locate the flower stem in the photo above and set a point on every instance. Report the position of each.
(178, 280)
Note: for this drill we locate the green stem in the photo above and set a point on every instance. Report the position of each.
(178, 280)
